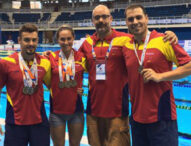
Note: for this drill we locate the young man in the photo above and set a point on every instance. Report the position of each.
(107, 109)
(23, 75)
(153, 120)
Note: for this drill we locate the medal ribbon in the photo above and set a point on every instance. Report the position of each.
(144, 50)
(66, 67)
(30, 76)
(107, 53)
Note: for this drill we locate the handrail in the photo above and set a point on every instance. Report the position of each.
(44, 25)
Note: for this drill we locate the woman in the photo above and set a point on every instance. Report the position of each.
(66, 82)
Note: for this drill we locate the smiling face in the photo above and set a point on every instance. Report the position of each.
(137, 21)
(65, 40)
(28, 42)
(102, 20)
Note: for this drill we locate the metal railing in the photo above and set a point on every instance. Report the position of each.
(117, 5)
(87, 24)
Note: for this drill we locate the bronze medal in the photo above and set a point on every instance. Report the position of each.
(71, 83)
(61, 84)
(74, 83)
(67, 84)
(140, 68)
(30, 90)
(25, 90)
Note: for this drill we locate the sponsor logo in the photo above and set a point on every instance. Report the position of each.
(150, 53)
(114, 48)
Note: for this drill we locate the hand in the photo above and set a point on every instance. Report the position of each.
(1, 131)
(80, 91)
(149, 74)
(170, 36)
(46, 53)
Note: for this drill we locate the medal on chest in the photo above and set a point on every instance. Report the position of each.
(140, 61)
(30, 76)
(66, 71)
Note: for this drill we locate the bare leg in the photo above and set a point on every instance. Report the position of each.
(58, 135)
(93, 133)
(75, 133)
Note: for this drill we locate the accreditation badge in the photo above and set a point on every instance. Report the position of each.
(100, 70)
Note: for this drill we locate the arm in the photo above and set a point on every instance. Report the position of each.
(3, 81)
(178, 73)
(82, 62)
(1, 130)
(173, 53)
(47, 77)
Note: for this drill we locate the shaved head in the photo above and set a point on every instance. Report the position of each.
(101, 8)
(102, 19)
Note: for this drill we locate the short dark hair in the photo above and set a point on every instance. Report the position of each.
(28, 27)
(65, 27)
(134, 6)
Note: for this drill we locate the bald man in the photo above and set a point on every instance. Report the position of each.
(107, 109)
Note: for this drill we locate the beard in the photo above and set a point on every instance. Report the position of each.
(30, 50)
(102, 29)
(137, 29)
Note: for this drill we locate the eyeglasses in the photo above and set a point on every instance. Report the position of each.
(97, 17)
(131, 19)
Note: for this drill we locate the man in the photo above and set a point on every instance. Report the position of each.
(153, 120)
(107, 109)
(23, 75)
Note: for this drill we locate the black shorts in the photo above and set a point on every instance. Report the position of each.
(161, 133)
(34, 135)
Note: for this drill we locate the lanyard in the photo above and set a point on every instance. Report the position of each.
(66, 66)
(107, 53)
(30, 76)
(144, 50)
